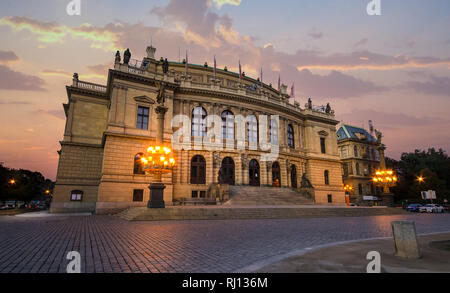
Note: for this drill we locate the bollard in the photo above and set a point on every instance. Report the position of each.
(405, 239)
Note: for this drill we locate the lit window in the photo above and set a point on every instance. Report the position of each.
(290, 136)
(76, 195)
(199, 121)
(252, 129)
(227, 125)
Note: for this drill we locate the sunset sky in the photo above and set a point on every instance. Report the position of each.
(393, 69)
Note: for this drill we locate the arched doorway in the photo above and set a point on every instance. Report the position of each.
(226, 175)
(293, 176)
(276, 175)
(198, 170)
(253, 173)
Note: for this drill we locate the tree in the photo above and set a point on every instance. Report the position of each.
(432, 165)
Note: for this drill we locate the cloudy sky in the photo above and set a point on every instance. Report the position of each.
(393, 69)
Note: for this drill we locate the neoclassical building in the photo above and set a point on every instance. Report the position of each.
(108, 128)
(360, 160)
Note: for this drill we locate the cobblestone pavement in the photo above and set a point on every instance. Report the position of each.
(109, 244)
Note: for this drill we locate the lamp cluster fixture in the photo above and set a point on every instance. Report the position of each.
(385, 177)
(158, 160)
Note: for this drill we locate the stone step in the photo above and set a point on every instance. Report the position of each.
(250, 195)
(221, 213)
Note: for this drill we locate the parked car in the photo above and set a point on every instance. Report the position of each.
(21, 205)
(414, 207)
(431, 208)
(33, 204)
(11, 204)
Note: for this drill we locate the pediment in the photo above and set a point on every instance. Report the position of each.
(144, 99)
(323, 133)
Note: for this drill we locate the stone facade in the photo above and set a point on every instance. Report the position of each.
(104, 134)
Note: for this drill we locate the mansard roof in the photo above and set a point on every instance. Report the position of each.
(353, 132)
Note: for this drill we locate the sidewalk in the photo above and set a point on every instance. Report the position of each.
(351, 258)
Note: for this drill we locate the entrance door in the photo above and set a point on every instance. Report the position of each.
(276, 175)
(227, 171)
(294, 176)
(253, 172)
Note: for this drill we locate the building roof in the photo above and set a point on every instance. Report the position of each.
(352, 132)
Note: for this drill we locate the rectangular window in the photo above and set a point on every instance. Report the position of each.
(76, 195)
(202, 194)
(322, 145)
(330, 198)
(194, 194)
(142, 118)
(138, 195)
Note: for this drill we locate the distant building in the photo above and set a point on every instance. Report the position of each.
(360, 159)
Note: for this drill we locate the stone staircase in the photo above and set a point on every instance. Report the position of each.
(257, 196)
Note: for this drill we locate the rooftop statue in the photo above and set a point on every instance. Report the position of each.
(309, 104)
(165, 66)
(126, 56)
(117, 57)
(328, 109)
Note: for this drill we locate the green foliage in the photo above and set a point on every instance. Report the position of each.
(28, 185)
(432, 165)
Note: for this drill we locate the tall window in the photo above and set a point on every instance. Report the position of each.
(138, 195)
(327, 177)
(290, 136)
(355, 150)
(199, 121)
(138, 164)
(252, 128)
(273, 132)
(142, 118)
(227, 125)
(360, 189)
(322, 145)
(198, 170)
(345, 167)
(358, 172)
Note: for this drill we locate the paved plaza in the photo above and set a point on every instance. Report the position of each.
(109, 244)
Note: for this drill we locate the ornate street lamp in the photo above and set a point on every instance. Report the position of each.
(158, 159)
(12, 181)
(348, 189)
(384, 177)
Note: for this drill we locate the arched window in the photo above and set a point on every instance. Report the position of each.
(227, 125)
(199, 121)
(138, 164)
(276, 175)
(293, 176)
(290, 136)
(327, 177)
(357, 169)
(252, 128)
(355, 150)
(198, 170)
(273, 132)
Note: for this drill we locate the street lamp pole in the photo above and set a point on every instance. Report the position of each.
(157, 187)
